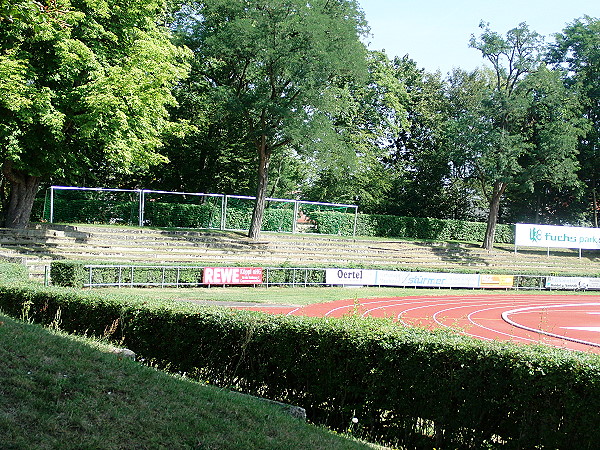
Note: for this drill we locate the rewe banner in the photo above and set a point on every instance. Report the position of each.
(547, 236)
(232, 275)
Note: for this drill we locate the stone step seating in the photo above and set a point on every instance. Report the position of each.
(41, 243)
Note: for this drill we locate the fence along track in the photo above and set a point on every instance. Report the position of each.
(190, 276)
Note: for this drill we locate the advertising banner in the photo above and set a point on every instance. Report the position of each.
(496, 281)
(351, 277)
(359, 277)
(427, 279)
(531, 235)
(232, 275)
(573, 283)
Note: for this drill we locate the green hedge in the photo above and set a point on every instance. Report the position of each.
(13, 272)
(182, 215)
(408, 386)
(407, 227)
(96, 211)
(285, 275)
(66, 273)
(274, 219)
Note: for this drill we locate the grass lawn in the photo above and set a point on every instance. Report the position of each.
(63, 392)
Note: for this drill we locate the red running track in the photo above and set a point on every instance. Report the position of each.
(565, 321)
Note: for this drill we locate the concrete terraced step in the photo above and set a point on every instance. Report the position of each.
(315, 253)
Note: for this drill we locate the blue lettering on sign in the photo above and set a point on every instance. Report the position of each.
(424, 281)
(535, 234)
(564, 238)
(589, 240)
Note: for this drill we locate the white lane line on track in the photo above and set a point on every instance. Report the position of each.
(506, 314)
(427, 303)
(511, 335)
(592, 329)
(468, 317)
(464, 301)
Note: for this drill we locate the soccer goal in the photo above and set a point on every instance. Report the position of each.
(166, 209)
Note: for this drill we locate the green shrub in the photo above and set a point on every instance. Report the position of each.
(284, 275)
(182, 215)
(97, 211)
(68, 273)
(75, 274)
(407, 227)
(13, 272)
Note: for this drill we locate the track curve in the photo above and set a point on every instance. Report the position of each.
(565, 321)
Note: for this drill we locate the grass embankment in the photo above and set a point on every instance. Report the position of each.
(60, 391)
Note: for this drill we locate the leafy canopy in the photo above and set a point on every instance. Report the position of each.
(84, 82)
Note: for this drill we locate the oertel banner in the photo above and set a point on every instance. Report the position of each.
(232, 275)
(351, 277)
(532, 235)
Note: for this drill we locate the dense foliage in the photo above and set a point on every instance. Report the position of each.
(406, 386)
(84, 91)
(90, 96)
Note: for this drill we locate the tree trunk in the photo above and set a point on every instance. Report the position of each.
(490, 232)
(23, 189)
(264, 156)
(595, 204)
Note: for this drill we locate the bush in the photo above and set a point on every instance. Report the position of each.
(182, 215)
(74, 274)
(67, 273)
(407, 227)
(408, 386)
(96, 211)
(13, 272)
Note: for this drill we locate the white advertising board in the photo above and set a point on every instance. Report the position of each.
(548, 236)
(351, 277)
(427, 279)
(572, 283)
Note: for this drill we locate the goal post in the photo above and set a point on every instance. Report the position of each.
(166, 209)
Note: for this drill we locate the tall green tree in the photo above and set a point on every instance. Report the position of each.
(82, 84)
(369, 115)
(424, 184)
(577, 48)
(271, 63)
(524, 127)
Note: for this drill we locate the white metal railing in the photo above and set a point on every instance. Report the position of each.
(185, 276)
(106, 275)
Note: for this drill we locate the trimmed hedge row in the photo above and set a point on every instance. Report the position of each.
(70, 273)
(407, 227)
(173, 215)
(411, 387)
(96, 211)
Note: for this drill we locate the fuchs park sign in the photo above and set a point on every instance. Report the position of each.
(550, 236)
